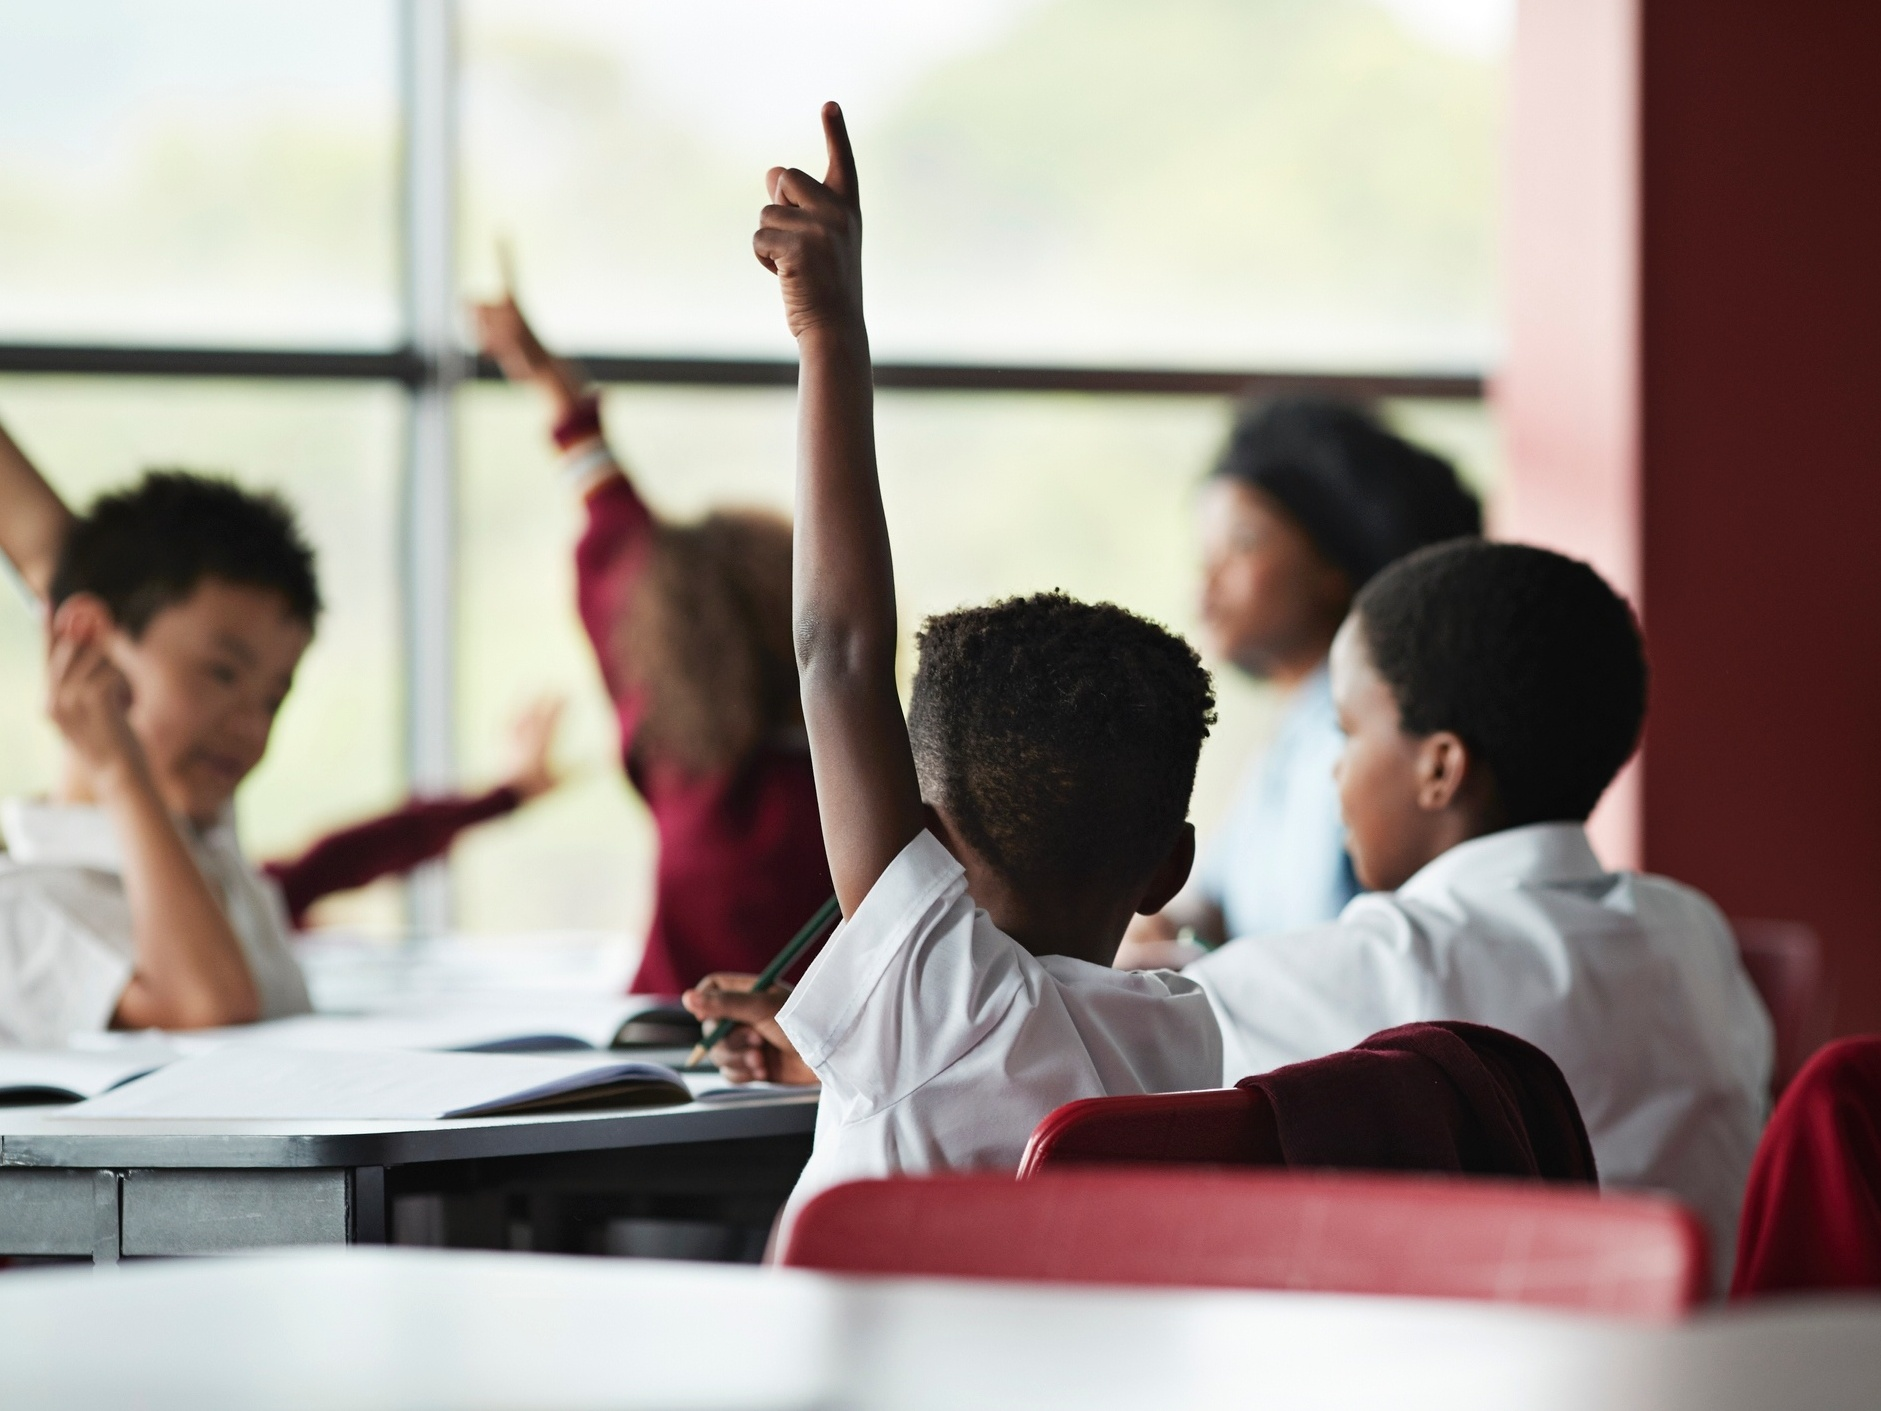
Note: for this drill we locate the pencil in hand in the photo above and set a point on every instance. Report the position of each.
(812, 928)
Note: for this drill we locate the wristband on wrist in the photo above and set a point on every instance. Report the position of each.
(582, 423)
(584, 468)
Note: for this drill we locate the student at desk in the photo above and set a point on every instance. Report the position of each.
(690, 624)
(989, 847)
(180, 610)
(1311, 498)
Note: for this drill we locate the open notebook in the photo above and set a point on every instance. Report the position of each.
(66, 1075)
(264, 1083)
(529, 1026)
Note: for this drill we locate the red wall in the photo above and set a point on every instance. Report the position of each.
(1741, 462)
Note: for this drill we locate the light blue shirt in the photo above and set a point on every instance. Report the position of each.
(1279, 861)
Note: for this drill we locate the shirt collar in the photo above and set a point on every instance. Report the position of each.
(70, 835)
(1539, 852)
(81, 835)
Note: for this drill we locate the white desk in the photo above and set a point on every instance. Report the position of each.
(395, 1328)
(107, 1189)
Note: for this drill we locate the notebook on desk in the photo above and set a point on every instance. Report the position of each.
(244, 1083)
(617, 1022)
(65, 1075)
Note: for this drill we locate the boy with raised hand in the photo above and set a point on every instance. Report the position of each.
(988, 850)
(179, 611)
(1489, 693)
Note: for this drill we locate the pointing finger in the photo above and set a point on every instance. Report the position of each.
(842, 158)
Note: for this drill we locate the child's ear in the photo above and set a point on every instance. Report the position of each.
(1170, 873)
(84, 617)
(1444, 766)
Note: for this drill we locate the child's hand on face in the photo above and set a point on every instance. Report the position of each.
(810, 237)
(757, 1050)
(88, 697)
(532, 772)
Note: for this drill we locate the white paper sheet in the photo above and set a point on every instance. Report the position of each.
(578, 1023)
(52, 1072)
(263, 1083)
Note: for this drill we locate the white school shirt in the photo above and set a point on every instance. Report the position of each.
(66, 951)
(942, 1042)
(1278, 861)
(1630, 983)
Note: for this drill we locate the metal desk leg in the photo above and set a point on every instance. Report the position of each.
(106, 1218)
(366, 1202)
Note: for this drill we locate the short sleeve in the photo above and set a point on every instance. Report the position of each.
(58, 976)
(913, 981)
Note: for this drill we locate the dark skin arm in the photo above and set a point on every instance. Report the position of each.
(843, 601)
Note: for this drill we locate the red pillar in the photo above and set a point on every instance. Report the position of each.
(1692, 399)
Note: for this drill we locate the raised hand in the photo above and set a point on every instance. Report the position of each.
(87, 697)
(532, 770)
(505, 335)
(810, 237)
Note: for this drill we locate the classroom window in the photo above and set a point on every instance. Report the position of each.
(199, 171)
(1273, 185)
(1249, 182)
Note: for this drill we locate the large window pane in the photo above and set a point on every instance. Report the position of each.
(198, 171)
(332, 451)
(987, 495)
(1237, 181)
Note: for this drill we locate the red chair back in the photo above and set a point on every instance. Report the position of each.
(1223, 1127)
(1418, 1236)
(1784, 962)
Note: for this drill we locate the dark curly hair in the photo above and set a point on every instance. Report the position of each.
(707, 638)
(1533, 661)
(1059, 736)
(1363, 494)
(146, 548)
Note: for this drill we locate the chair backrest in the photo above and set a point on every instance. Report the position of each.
(1784, 962)
(1221, 1127)
(1419, 1236)
(1812, 1207)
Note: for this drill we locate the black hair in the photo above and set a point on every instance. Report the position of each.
(1528, 656)
(1060, 737)
(1364, 495)
(147, 547)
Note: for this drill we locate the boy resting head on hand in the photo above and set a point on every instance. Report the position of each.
(180, 610)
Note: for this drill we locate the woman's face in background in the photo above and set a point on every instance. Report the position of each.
(1271, 600)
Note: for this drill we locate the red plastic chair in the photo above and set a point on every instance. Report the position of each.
(1812, 1209)
(1222, 1127)
(1784, 962)
(1457, 1237)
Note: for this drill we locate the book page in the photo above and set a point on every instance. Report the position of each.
(264, 1083)
(544, 1026)
(66, 1075)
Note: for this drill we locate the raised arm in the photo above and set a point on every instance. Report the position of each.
(505, 335)
(33, 519)
(843, 598)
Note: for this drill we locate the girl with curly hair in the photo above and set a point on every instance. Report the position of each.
(691, 626)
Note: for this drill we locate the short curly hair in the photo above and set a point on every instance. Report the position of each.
(1528, 656)
(1060, 737)
(146, 548)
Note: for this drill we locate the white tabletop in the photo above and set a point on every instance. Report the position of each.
(48, 1136)
(394, 1328)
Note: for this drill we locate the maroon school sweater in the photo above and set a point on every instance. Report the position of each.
(741, 863)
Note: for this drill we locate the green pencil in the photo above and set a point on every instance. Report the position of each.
(811, 930)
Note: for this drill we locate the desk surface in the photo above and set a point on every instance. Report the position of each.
(391, 1329)
(41, 1136)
